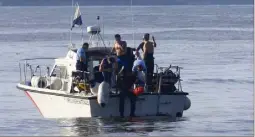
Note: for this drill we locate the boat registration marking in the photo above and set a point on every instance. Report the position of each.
(78, 101)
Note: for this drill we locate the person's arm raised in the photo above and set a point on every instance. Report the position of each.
(154, 42)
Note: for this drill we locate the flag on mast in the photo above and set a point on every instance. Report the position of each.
(77, 17)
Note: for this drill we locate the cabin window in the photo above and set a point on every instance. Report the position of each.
(59, 71)
(95, 63)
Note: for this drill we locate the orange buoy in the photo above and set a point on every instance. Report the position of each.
(138, 90)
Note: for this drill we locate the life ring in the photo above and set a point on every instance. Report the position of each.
(39, 82)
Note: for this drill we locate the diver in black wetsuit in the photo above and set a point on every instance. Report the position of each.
(126, 81)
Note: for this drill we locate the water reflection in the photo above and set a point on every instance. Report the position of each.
(141, 126)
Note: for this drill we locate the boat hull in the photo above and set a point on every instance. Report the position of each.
(51, 106)
(59, 105)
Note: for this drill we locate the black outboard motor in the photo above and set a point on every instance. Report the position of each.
(169, 79)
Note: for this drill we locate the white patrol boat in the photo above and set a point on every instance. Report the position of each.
(64, 92)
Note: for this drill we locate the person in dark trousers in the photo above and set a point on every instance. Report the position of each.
(107, 66)
(126, 82)
(148, 51)
(81, 63)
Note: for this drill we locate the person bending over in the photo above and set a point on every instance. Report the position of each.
(107, 66)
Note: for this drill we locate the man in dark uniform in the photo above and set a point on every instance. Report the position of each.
(126, 81)
(81, 58)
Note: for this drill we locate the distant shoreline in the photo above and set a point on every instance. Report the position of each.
(128, 5)
(123, 2)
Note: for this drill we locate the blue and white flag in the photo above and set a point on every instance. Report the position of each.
(77, 17)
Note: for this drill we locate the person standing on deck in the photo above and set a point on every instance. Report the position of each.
(81, 63)
(120, 48)
(148, 51)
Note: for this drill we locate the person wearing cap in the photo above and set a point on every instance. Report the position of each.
(139, 65)
(139, 70)
(107, 66)
(81, 63)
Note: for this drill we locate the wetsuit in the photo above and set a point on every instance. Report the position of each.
(125, 83)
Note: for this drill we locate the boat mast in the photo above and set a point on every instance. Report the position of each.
(132, 15)
(71, 21)
(103, 22)
(81, 27)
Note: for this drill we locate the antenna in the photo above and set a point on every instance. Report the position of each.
(103, 26)
(81, 26)
(131, 3)
(70, 31)
(103, 21)
(81, 35)
(94, 31)
(98, 24)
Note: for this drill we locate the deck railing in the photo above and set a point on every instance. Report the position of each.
(160, 71)
(28, 69)
(34, 67)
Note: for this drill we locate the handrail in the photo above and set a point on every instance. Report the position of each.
(37, 58)
(170, 67)
(29, 67)
(162, 70)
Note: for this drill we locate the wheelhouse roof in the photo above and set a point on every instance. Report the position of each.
(97, 52)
